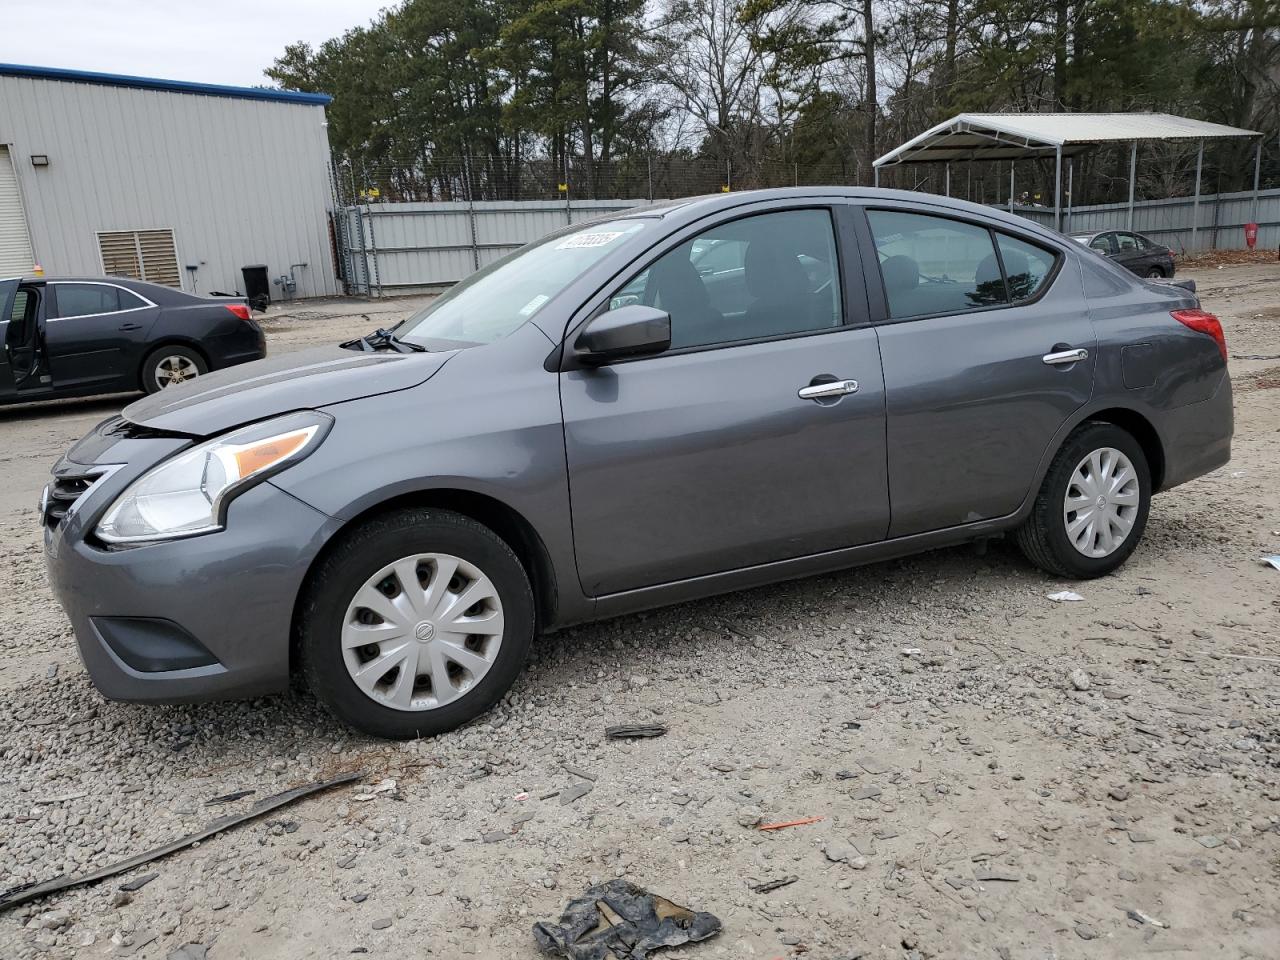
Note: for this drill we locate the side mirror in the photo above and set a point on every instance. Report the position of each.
(632, 331)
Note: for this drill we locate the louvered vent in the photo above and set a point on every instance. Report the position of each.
(141, 254)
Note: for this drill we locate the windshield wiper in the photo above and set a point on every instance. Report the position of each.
(382, 339)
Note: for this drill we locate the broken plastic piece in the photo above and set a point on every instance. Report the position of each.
(629, 731)
(1272, 561)
(1065, 596)
(621, 921)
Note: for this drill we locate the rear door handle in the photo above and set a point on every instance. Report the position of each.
(130, 326)
(1066, 356)
(824, 391)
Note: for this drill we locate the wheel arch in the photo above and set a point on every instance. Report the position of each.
(508, 523)
(1143, 431)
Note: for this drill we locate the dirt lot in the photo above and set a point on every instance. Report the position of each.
(998, 775)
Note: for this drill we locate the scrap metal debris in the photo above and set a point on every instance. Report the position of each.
(621, 921)
(632, 731)
(782, 825)
(770, 885)
(32, 891)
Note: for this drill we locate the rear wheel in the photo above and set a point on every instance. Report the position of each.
(1092, 506)
(417, 622)
(1155, 273)
(169, 365)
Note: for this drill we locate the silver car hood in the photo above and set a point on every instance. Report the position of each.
(306, 379)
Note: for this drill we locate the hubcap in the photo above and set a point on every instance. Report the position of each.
(422, 631)
(1101, 503)
(175, 369)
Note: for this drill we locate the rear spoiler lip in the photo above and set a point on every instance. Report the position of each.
(1187, 284)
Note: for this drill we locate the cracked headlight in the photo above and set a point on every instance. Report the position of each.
(188, 494)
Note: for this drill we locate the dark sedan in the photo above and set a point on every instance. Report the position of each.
(75, 337)
(1133, 251)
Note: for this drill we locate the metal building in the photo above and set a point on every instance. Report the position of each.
(173, 182)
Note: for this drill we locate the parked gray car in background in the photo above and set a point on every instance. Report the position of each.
(692, 398)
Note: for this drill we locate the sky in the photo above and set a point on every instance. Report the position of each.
(207, 41)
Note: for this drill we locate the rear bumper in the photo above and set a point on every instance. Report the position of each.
(1197, 436)
(207, 617)
(242, 346)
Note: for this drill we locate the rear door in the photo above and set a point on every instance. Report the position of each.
(709, 457)
(93, 333)
(987, 348)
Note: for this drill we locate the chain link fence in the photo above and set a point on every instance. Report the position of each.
(633, 178)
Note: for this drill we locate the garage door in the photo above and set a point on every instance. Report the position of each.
(15, 242)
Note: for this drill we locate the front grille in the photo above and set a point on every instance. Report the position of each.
(61, 495)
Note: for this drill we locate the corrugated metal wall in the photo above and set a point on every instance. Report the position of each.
(1220, 220)
(395, 248)
(238, 181)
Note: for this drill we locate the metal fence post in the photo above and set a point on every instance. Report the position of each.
(1057, 189)
(1011, 165)
(649, 164)
(364, 253)
(471, 216)
(373, 250)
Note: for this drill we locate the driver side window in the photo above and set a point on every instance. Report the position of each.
(768, 275)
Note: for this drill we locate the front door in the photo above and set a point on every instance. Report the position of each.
(22, 368)
(717, 455)
(94, 333)
(988, 349)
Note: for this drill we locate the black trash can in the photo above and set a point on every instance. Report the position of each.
(257, 286)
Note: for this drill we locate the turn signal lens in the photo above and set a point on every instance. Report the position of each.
(267, 453)
(1203, 322)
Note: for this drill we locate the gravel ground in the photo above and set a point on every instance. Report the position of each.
(998, 775)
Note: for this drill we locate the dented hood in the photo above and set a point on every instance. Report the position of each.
(306, 379)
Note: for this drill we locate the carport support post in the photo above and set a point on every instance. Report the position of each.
(1195, 203)
(947, 188)
(1057, 188)
(1133, 175)
(1257, 175)
(1011, 186)
(875, 176)
(1071, 170)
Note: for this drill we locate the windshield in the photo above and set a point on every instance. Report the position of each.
(493, 302)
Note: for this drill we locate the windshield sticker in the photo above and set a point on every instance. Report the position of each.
(582, 241)
(532, 306)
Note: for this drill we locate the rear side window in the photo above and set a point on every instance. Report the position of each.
(83, 299)
(934, 265)
(129, 301)
(1101, 243)
(1026, 266)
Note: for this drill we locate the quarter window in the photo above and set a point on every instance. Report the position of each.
(768, 275)
(82, 299)
(933, 265)
(1026, 266)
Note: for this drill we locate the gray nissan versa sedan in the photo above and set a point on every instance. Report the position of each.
(686, 399)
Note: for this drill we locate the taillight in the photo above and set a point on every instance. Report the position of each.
(1202, 322)
(239, 309)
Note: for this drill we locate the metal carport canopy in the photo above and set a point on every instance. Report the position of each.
(1025, 136)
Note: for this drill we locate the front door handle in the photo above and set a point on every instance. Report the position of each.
(130, 326)
(825, 391)
(1066, 356)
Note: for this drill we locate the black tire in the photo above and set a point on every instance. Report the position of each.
(359, 556)
(1043, 536)
(168, 355)
(1155, 273)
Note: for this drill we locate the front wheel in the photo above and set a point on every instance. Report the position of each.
(1092, 506)
(416, 622)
